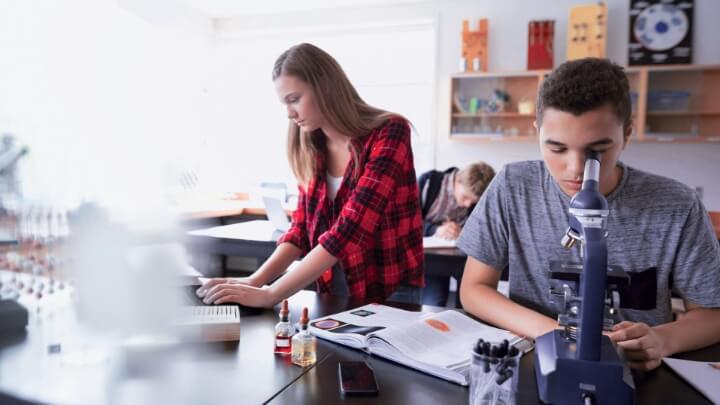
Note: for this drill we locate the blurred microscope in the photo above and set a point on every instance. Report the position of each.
(578, 364)
(10, 153)
(30, 236)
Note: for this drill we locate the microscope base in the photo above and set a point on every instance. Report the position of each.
(563, 379)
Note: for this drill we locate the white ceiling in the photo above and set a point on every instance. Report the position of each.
(240, 8)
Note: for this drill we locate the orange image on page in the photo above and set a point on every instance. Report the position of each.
(439, 325)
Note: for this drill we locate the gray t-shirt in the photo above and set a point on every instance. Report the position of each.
(658, 231)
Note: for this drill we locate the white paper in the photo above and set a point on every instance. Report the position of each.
(700, 375)
(250, 230)
(436, 242)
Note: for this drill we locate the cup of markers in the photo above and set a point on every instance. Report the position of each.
(494, 373)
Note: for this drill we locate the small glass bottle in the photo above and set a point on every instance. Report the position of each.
(304, 345)
(283, 331)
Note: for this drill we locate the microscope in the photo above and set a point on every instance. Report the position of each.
(580, 365)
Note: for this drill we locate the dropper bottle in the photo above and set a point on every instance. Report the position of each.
(304, 345)
(283, 331)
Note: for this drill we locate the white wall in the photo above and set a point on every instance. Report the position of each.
(244, 56)
(107, 92)
(116, 98)
(695, 165)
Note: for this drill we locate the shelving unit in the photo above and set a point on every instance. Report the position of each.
(676, 104)
(506, 124)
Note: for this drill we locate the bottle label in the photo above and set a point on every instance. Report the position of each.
(282, 342)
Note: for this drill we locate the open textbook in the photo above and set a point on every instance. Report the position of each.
(439, 343)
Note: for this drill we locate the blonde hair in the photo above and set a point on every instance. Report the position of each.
(338, 101)
(476, 177)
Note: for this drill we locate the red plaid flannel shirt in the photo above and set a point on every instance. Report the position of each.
(374, 226)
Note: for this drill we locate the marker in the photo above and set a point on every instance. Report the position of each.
(503, 348)
(504, 376)
(478, 346)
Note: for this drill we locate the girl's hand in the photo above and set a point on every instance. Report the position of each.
(240, 293)
(210, 283)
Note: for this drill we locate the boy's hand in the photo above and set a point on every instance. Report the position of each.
(448, 230)
(643, 346)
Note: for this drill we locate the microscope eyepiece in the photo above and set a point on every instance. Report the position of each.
(593, 154)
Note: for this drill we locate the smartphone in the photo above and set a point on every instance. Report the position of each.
(357, 378)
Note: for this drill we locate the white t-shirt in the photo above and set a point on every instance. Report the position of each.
(333, 185)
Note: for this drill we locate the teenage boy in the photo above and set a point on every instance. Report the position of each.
(659, 231)
(446, 199)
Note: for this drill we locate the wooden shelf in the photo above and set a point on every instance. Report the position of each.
(501, 75)
(493, 115)
(701, 124)
(683, 113)
(658, 138)
(668, 68)
(488, 138)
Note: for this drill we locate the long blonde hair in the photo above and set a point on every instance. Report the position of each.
(338, 101)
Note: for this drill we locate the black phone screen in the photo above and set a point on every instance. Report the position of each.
(357, 378)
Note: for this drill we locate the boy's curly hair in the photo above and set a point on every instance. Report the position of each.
(583, 85)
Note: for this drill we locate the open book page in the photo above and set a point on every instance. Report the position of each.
(352, 327)
(438, 343)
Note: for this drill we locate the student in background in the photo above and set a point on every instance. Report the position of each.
(446, 200)
(357, 225)
(658, 229)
